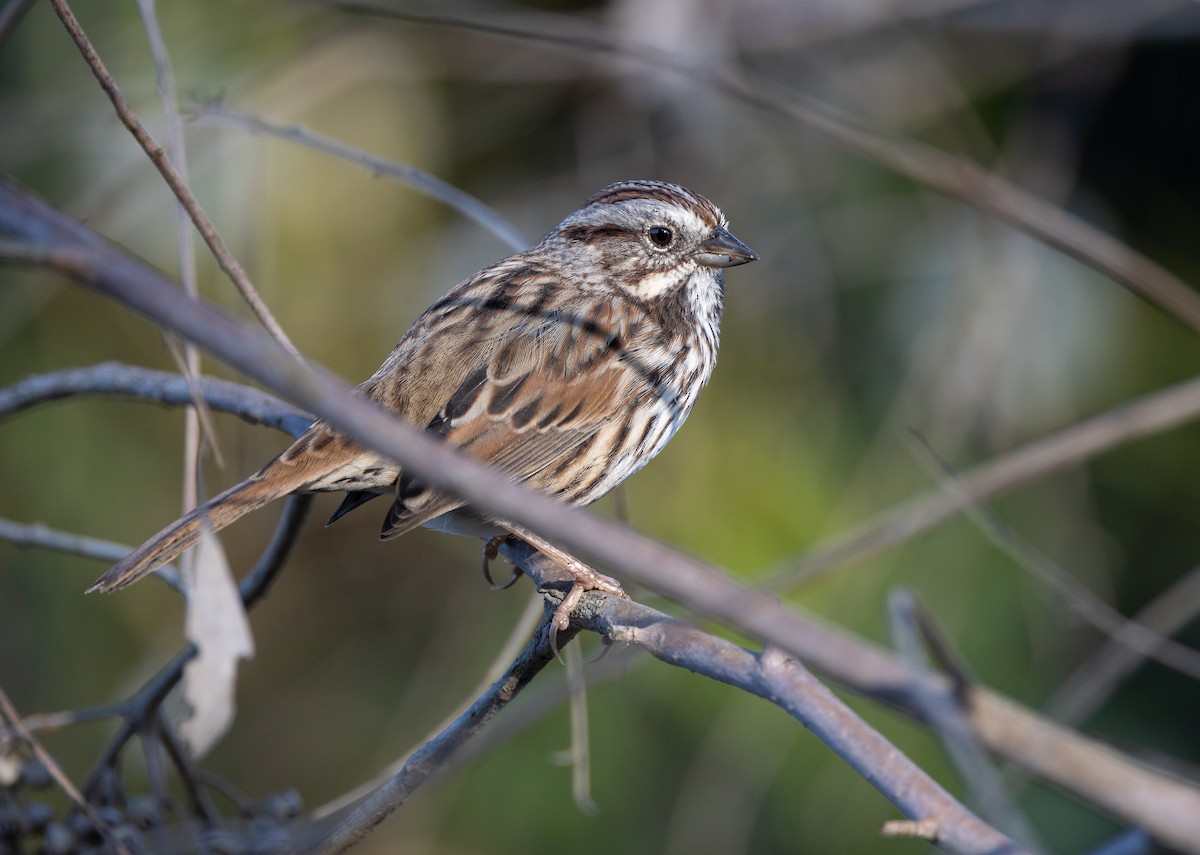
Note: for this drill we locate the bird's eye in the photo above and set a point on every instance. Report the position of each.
(661, 236)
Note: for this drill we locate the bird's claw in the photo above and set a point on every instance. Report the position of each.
(491, 550)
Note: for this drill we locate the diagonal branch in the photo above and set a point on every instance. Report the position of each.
(233, 269)
(432, 757)
(782, 680)
(9, 712)
(1153, 413)
(466, 204)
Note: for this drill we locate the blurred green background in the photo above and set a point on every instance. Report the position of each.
(878, 308)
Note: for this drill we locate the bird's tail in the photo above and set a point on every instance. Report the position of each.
(168, 544)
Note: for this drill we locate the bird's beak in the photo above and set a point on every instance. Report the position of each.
(722, 249)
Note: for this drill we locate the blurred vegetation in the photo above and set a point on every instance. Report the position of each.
(878, 308)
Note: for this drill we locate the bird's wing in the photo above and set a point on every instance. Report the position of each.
(540, 388)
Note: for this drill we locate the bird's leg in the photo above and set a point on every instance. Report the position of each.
(491, 549)
(586, 579)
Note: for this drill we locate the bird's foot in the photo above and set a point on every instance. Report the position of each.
(586, 579)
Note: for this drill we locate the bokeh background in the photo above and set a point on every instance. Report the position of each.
(879, 308)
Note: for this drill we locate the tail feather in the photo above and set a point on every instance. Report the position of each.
(168, 544)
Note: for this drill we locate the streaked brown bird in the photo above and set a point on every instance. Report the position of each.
(567, 367)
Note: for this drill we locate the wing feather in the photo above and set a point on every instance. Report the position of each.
(538, 379)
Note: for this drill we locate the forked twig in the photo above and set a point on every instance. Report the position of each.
(944, 711)
(784, 681)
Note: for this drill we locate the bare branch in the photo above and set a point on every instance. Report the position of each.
(508, 651)
(1166, 807)
(146, 384)
(233, 269)
(1095, 679)
(36, 534)
(419, 180)
(784, 681)
(422, 764)
(1077, 598)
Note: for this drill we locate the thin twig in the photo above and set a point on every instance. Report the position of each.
(1159, 411)
(1132, 841)
(43, 537)
(156, 775)
(233, 269)
(197, 419)
(146, 702)
(185, 767)
(11, 16)
(42, 722)
(152, 386)
(421, 181)
(1079, 599)
(518, 636)
(579, 756)
(1090, 684)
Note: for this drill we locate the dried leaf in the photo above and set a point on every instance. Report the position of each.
(10, 763)
(217, 624)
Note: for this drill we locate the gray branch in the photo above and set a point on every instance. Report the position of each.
(146, 384)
